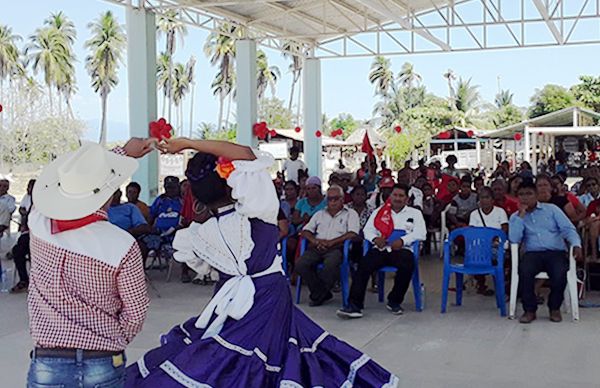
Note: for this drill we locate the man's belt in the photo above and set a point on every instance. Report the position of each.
(72, 353)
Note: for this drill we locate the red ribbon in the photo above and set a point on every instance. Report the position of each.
(58, 226)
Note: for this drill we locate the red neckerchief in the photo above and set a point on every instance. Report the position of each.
(58, 226)
(383, 220)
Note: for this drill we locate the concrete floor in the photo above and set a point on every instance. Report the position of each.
(469, 346)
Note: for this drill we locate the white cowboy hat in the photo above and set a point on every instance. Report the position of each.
(77, 184)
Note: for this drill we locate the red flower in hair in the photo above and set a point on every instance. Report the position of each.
(224, 167)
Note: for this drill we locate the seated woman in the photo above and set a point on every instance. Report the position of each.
(250, 334)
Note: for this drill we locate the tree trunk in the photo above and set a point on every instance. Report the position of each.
(164, 103)
(292, 93)
(104, 98)
(50, 97)
(192, 109)
(221, 101)
(230, 97)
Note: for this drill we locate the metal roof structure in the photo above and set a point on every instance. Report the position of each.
(358, 28)
(568, 121)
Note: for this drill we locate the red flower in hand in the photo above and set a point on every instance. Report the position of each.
(260, 130)
(161, 129)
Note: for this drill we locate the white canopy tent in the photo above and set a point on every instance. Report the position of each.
(340, 29)
(538, 134)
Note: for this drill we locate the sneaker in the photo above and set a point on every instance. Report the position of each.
(396, 309)
(349, 312)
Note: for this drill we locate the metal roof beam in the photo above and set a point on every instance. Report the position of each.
(543, 10)
(404, 23)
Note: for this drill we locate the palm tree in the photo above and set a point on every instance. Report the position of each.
(48, 51)
(169, 25)
(294, 51)
(190, 69)
(381, 75)
(503, 98)
(181, 87)
(163, 78)
(450, 76)
(266, 76)
(467, 99)
(106, 46)
(9, 57)
(65, 77)
(407, 77)
(220, 48)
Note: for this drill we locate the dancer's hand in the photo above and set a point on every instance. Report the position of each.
(174, 146)
(137, 147)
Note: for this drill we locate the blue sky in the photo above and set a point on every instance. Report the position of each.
(345, 84)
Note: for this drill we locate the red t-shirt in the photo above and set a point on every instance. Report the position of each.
(573, 199)
(510, 205)
(593, 207)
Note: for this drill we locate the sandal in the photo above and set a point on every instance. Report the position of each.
(20, 287)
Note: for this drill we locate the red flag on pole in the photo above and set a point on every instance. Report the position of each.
(366, 145)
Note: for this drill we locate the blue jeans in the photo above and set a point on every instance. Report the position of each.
(51, 372)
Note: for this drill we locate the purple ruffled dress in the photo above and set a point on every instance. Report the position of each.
(274, 344)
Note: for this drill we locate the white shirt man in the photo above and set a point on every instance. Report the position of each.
(407, 219)
(327, 227)
(7, 206)
(292, 165)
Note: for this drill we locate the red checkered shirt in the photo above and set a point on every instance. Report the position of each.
(87, 287)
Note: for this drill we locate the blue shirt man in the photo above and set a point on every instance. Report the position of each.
(542, 229)
(126, 216)
(166, 209)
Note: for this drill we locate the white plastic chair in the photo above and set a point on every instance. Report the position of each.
(571, 297)
(444, 232)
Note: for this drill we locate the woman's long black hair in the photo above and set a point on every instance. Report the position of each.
(206, 185)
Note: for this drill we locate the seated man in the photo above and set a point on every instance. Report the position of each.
(462, 205)
(7, 205)
(132, 191)
(165, 211)
(543, 229)
(128, 217)
(396, 216)
(501, 198)
(326, 232)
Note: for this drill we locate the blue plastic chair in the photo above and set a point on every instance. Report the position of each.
(344, 272)
(478, 260)
(416, 282)
(283, 253)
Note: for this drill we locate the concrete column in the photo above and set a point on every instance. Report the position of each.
(534, 159)
(527, 145)
(246, 100)
(141, 74)
(312, 115)
(478, 151)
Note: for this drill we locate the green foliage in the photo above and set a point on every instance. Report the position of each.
(274, 113)
(507, 115)
(588, 92)
(551, 98)
(344, 121)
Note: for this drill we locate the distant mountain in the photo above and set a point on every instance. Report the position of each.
(116, 131)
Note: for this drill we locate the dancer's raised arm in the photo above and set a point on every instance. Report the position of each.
(225, 149)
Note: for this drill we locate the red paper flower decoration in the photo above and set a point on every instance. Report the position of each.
(337, 132)
(260, 130)
(1, 108)
(273, 133)
(444, 135)
(541, 133)
(470, 133)
(518, 137)
(297, 129)
(398, 129)
(318, 134)
(161, 129)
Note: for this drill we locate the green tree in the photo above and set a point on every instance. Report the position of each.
(344, 121)
(407, 78)
(551, 98)
(587, 92)
(381, 75)
(180, 87)
(106, 48)
(503, 98)
(169, 25)
(220, 48)
(507, 115)
(65, 77)
(467, 100)
(275, 114)
(9, 59)
(295, 52)
(48, 52)
(190, 69)
(266, 76)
